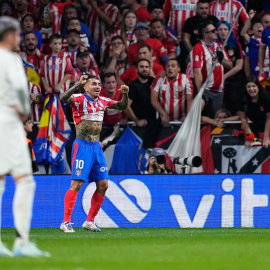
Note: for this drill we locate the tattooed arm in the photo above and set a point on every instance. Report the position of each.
(67, 96)
(122, 105)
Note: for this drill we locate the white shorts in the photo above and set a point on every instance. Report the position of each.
(14, 153)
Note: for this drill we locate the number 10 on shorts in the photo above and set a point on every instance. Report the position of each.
(79, 164)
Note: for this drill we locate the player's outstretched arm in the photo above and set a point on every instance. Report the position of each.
(67, 96)
(123, 104)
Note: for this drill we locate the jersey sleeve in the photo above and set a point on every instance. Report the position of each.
(125, 75)
(243, 14)
(69, 68)
(16, 77)
(167, 8)
(238, 51)
(77, 97)
(42, 71)
(156, 84)
(160, 48)
(188, 27)
(189, 86)
(197, 56)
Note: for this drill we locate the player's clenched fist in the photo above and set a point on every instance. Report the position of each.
(124, 89)
(83, 79)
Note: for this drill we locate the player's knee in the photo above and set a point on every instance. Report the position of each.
(76, 185)
(103, 186)
(26, 180)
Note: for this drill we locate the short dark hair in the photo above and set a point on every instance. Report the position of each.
(173, 59)
(70, 7)
(140, 60)
(203, 2)
(203, 28)
(145, 46)
(30, 32)
(54, 36)
(117, 37)
(156, 20)
(253, 22)
(156, 7)
(111, 29)
(107, 75)
(27, 15)
(73, 19)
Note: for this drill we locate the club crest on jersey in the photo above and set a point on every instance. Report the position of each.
(78, 172)
(230, 52)
(197, 58)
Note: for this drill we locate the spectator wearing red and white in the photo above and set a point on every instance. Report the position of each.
(144, 52)
(142, 13)
(117, 63)
(21, 9)
(83, 66)
(203, 55)
(167, 39)
(36, 100)
(226, 10)
(56, 68)
(56, 11)
(178, 12)
(100, 15)
(111, 90)
(127, 28)
(160, 55)
(172, 95)
(32, 54)
(73, 39)
(70, 11)
(85, 40)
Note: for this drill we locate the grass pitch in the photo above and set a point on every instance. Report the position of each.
(146, 249)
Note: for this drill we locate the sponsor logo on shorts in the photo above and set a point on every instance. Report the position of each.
(103, 169)
(78, 172)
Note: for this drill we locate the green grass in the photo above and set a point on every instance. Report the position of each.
(149, 249)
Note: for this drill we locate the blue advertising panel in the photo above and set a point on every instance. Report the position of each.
(155, 201)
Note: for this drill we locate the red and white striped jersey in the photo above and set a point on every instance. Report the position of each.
(54, 69)
(227, 11)
(172, 95)
(56, 11)
(203, 57)
(178, 12)
(85, 108)
(36, 108)
(97, 26)
(34, 59)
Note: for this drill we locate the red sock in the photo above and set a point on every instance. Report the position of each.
(70, 200)
(96, 203)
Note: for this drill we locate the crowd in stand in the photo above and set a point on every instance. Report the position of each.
(163, 50)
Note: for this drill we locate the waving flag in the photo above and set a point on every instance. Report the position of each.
(129, 154)
(54, 132)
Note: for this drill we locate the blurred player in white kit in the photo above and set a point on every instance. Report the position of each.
(14, 155)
